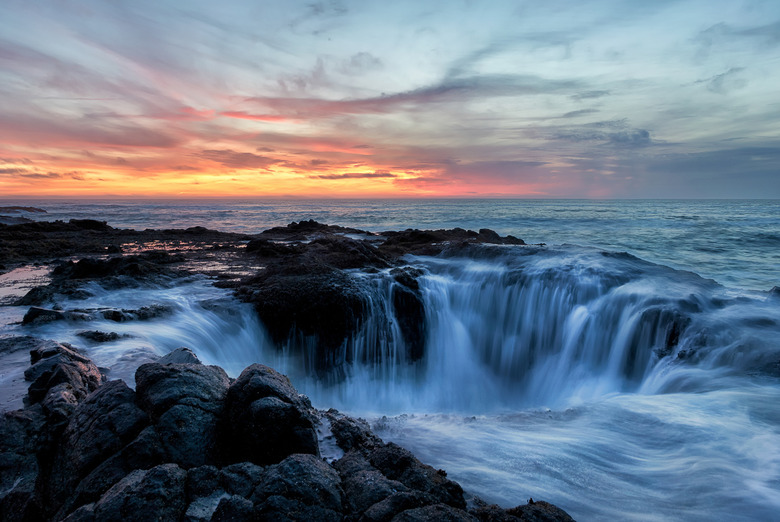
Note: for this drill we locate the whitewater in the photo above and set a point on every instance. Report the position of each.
(626, 369)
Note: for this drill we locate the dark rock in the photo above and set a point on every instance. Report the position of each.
(269, 249)
(233, 509)
(100, 426)
(203, 481)
(363, 489)
(774, 293)
(55, 364)
(350, 432)
(21, 432)
(162, 386)
(185, 401)
(99, 337)
(302, 477)
(282, 509)
(385, 510)
(409, 311)
(143, 495)
(539, 511)
(399, 464)
(37, 315)
(241, 478)
(90, 224)
(265, 419)
(179, 356)
(325, 305)
(435, 513)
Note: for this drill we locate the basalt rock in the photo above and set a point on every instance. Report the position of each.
(265, 419)
(189, 445)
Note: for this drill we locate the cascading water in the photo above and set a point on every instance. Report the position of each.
(549, 329)
(661, 385)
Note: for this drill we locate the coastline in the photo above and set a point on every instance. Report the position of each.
(187, 403)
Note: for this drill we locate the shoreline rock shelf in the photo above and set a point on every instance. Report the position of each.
(191, 444)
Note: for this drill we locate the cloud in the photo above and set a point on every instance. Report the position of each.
(361, 62)
(238, 160)
(454, 90)
(724, 82)
(583, 112)
(589, 95)
(630, 138)
(357, 175)
(13, 170)
(242, 115)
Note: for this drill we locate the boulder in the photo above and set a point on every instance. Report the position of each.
(54, 364)
(399, 464)
(265, 419)
(304, 478)
(185, 402)
(435, 513)
(21, 432)
(179, 356)
(154, 494)
(100, 426)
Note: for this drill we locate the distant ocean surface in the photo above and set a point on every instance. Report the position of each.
(735, 242)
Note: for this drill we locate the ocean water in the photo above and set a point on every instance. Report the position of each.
(626, 370)
(735, 242)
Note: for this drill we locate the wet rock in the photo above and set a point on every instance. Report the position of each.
(265, 419)
(387, 509)
(37, 315)
(435, 513)
(143, 495)
(179, 356)
(100, 426)
(185, 401)
(233, 508)
(304, 478)
(325, 305)
(399, 464)
(241, 478)
(365, 488)
(21, 432)
(54, 364)
(97, 336)
(351, 432)
(539, 511)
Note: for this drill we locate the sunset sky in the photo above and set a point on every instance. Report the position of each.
(664, 98)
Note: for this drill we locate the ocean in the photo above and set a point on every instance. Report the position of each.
(626, 369)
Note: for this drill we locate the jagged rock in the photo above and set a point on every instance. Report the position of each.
(233, 508)
(266, 420)
(241, 478)
(97, 336)
(143, 495)
(20, 438)
(53, 364)
(435, 513)
(302, 477)
(399, 464)
(365, 488)
(539, 511)
(179, 356)
(100, 426)
(324, 304)
(350, 432)
(38, 315)
(385, 510)
(185, 401)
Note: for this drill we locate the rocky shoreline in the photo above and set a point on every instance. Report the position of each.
(189, 443)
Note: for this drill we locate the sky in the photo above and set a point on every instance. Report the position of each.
(581, 99)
